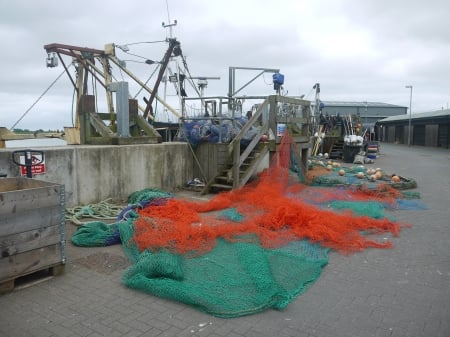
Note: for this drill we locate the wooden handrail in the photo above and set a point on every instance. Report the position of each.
(234, 149)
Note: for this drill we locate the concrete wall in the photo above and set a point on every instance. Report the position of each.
(95, 173)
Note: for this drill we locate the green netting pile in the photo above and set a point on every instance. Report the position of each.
(372, 209)
(234, 279)
(96, 234)
(147, 195)
(350, 177)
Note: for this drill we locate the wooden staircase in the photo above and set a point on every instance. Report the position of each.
(224, 181)
(242, 163)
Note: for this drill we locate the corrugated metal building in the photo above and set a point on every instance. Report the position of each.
(427, 129)
(370, 112)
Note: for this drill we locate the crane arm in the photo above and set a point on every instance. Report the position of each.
(173, 45)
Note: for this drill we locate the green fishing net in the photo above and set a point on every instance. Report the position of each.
(234, 279)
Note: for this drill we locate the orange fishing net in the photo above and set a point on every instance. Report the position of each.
(272, 214)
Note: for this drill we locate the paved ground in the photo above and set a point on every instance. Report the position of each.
(404, 291)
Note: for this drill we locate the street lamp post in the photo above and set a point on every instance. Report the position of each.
(410, 87)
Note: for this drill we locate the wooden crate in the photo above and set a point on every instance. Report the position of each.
(32, 228)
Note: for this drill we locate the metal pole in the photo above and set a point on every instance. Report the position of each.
(410, 87)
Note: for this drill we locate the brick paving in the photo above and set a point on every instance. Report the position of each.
(404, 291)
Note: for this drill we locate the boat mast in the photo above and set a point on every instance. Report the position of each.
(170, 26)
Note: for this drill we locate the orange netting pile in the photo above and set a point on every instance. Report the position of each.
(270, 214)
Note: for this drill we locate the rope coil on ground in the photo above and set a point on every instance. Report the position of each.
(104, 210)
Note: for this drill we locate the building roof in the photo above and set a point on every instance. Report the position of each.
(360, 104)
(430, 114)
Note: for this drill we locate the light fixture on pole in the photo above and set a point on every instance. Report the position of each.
(410, 87)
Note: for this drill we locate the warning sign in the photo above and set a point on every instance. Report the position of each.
(37, 162)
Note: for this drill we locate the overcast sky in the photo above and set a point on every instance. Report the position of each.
(357, 50)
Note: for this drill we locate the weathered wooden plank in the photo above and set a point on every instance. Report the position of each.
(147, 128)
(22, 242)
(28, 262)
(99, 126)
(31, 198)
(26, 220)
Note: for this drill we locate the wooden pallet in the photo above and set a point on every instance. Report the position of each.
(26, 280)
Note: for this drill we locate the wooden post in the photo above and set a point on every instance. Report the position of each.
(86, 105)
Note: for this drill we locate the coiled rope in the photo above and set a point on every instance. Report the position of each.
(104, 210)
